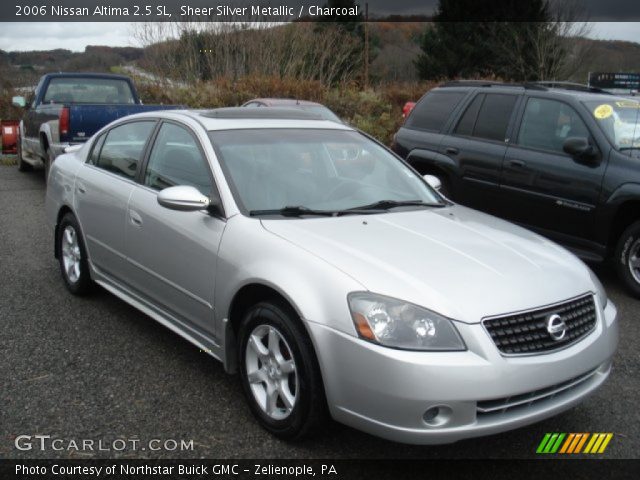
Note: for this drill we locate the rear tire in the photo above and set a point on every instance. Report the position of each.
(22, 165)
(72, 256)
(276, 355)
(627, 258)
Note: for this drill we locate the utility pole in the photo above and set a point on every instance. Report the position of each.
(366, 45)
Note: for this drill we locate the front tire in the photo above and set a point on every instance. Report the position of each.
(72, 256)
(279, 372)
(627, 258)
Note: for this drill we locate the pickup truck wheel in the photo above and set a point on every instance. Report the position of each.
(22, 165)
(627, 258)
(48, 161)
(279, 372)
(72, 256)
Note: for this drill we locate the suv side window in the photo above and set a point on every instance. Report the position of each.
(176, 159)
(546, 124)
(434, 110)
(494, 115)
(468, 120)
(123, 148)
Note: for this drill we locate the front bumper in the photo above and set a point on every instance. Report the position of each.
(386, 392)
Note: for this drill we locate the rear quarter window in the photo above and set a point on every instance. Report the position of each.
(433, 111)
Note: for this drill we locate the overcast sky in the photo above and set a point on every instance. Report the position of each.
(76, 36)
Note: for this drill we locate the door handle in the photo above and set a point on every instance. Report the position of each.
(452, 150)
(81, 188)
(517, 163)
(135, 218)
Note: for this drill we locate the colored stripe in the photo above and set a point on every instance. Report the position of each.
(554, 449)
(575, 442)
(547, 449)
(543, 443)
(593, 439)
(605, 443)
(601, 437)
(579, 446)
(567, 442)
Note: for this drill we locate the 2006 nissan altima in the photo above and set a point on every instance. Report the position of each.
(331, 276)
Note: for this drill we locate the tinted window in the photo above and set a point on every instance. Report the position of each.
(95, 152)
(88, 90)
(493, 118)
(434, 110)
(546, 124)
(468, 120)
(176, 160)
(122, 150)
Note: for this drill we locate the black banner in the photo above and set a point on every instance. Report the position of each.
(552, 469)
(287, 10)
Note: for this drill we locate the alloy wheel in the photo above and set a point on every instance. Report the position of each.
(271, 372)
(634, 261)
(71, 255)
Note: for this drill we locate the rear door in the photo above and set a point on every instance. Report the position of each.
(173, 254)
(103, 187)
(477, 144)
(547, 189)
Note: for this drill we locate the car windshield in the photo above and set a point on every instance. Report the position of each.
(315, 170)
(618, 118)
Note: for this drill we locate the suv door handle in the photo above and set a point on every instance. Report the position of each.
(451, 150)
(517, 163)
(135, 218)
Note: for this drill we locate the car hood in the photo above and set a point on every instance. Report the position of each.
(458, 262)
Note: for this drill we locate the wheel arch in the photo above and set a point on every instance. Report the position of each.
(64, 209)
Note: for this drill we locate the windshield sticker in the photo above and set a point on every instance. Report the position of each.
(603, 111)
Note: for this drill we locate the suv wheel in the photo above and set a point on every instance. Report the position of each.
(72, 256)
(628, 258)
(279, 372)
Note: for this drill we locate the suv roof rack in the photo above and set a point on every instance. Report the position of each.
(260, 113)
(578, 87)
(542, 85)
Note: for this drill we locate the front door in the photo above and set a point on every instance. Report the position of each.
(173, 254)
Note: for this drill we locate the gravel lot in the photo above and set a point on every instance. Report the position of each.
(95, 368)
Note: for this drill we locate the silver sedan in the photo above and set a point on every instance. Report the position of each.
(333, 278)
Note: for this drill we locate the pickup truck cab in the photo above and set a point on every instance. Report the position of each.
(68, 108)
(560, 160)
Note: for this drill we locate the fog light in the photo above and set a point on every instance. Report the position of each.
(437, 416)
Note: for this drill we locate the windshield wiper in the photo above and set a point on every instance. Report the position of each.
(387, 204)
(293, 211)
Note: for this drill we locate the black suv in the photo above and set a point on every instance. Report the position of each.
(560, 160)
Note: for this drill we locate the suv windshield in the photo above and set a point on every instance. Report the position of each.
(618, 118)
(315, 171)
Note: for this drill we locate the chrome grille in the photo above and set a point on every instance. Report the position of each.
(526, 332)
(501, 405)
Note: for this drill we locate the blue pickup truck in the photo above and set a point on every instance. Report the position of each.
(68, 108)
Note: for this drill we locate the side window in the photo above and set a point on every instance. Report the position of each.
(122, 149)
(95, 151)
(494, 115)
(468, 120)
(546, 124)
(433, 111)
(176, 159)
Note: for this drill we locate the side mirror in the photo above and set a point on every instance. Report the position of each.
(579, 148)
(19, 102)
(433, 181)
(184, 198)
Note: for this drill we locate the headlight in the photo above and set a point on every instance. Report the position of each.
(398, 324)
(600, 291)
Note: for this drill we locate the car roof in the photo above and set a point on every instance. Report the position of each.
(272, 102)
(237, 118)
